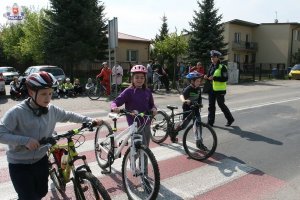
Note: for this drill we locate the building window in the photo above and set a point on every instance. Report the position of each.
(236, 58)
(297, 36)
(132, 55)
(237, 37)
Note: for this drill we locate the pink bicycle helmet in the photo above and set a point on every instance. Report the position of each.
(41, 80)
(138, 68)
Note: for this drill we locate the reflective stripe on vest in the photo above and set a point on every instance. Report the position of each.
(219, 86)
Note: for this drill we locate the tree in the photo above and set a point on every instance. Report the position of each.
(171, 47)
(164, 31)
(206, 32)
(76, 31)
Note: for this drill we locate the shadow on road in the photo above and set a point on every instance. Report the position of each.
(251, 136)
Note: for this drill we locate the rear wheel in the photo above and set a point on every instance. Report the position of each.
(200, 149)
(159, 127)
(144, 182)
(94, 93)
(103, 145)
(87, 186)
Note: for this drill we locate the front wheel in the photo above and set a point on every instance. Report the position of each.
(94, 93)
(203, 148)
(159, 127)
(103, 145)
(87, 186)
(144, 181)
(55, 175)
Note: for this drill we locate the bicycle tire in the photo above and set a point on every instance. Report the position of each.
(87, 187)
(159, 127)
(139, 185)
(55, 175)
(101, 133)
(94, 93)
(209, 141)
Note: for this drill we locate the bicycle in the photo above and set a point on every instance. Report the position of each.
(61, 163)
(96, 91)
(140, 172)
(199, 139)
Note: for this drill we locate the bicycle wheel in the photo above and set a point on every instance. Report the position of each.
(200, 149)
(54, 175)
(104, 142)
(87, 186)
(144, 182)
(159, 127)
(94, 93)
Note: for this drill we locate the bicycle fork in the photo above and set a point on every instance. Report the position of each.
(197, 129)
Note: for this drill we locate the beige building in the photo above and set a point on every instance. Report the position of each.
(266, 44)
(132, 49)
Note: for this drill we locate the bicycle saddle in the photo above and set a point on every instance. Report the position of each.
(172, 107)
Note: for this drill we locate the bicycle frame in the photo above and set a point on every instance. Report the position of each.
(185, 122)
(128, 133)
(72, 157)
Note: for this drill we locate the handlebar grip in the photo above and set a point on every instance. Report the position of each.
(49, 140)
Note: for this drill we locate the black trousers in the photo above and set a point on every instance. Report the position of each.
(30, 180)
(220, 98)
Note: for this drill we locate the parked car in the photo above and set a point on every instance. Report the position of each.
(57, 72)
(2, 85)
(295, 72)
(8, 73)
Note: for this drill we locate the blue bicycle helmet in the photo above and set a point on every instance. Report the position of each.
(194, 75)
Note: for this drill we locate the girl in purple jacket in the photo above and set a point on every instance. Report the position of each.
(137, 97)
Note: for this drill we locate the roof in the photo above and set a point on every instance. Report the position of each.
(242, 23)
(123, 36)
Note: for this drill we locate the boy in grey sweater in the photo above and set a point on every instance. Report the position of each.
(23, 126)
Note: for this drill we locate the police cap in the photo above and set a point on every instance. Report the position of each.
(214, 53)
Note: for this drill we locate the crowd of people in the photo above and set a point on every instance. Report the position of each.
(35, 117)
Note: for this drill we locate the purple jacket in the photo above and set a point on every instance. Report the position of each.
(135, 99)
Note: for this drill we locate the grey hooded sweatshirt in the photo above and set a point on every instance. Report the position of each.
(19, 124)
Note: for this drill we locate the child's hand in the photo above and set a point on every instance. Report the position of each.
(115, 110)
(154, 111)
(97, 122)
(32, 144)
(188, 102)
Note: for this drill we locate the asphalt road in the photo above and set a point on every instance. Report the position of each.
(265, 134)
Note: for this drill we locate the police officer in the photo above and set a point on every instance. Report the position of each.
(217, 76)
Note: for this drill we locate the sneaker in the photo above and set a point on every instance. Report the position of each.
(201, 146)
(229, 122)
(174, 139)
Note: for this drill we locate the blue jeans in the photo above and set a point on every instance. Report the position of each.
(30, 180)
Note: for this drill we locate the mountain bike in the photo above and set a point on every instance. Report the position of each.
(97, 90)
(62, 158)
(140, 172)
(199, 139)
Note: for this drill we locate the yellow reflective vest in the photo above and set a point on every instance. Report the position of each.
(217, 85)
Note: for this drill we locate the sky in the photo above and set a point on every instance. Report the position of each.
(143, 18)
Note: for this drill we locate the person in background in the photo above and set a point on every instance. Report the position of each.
(89, 84)
(217, 77)
(23, 88)
(77, 87)
(105, 75)
(198, 68)
(15, 93)
(117, 75)
(69, 88)
(149, 73)
(137, 97)
(61, 88)
(23, 126)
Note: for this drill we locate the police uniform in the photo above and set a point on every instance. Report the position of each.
(218, 90)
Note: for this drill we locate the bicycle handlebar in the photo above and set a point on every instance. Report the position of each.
(53, 140)
(135, 113)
